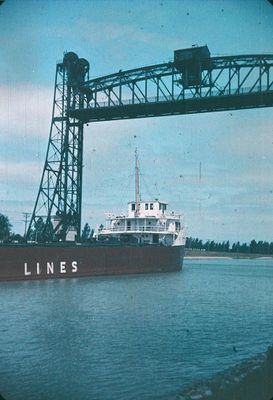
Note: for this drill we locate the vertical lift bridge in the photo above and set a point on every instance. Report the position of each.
(194, 82)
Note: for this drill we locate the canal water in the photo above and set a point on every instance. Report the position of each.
(132, 337)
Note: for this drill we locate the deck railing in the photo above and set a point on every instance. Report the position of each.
(138, 229)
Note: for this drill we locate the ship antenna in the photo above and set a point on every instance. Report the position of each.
(136, 184)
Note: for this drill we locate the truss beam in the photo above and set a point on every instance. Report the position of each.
(226, 83)
(167, 108)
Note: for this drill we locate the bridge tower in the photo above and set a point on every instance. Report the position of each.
(57, 210)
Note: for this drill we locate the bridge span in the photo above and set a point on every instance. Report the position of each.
(194, 82)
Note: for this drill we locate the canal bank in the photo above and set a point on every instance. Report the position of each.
(193, 253)
(251, 380)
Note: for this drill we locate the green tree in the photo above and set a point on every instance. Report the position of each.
(86, 233)
(16, 237)
(5, 227)
(235, 247)
(212, 245)
(39, 230)
(48, 232)
(244, 248)
(42, 233)
(253, 246)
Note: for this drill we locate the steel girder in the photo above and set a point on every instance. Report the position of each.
(57, 208)
(227, 83)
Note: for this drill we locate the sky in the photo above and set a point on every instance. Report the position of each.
(234, 198)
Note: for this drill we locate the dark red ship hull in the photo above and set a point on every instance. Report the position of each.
(28, 262)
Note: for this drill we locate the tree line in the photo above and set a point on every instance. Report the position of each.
(254, 247)
(39, 234)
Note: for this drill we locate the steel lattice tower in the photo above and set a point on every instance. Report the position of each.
(57, 210)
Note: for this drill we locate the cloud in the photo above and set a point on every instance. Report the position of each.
(25, 109)
(101, 32)
(249, 133)
(18, 176)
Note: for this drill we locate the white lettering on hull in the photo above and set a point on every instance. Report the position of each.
(27, 273)
(74, 266)
(62, 267)
(51, 268)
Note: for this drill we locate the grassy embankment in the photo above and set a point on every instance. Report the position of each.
(193, 253)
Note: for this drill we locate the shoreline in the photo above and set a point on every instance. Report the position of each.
(201, 255)
(251, 380)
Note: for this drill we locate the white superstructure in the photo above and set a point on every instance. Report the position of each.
(146, 222)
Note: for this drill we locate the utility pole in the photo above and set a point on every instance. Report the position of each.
(26, 217)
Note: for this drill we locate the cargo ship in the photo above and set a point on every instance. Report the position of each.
(146, 239)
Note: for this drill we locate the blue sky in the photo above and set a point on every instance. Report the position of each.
(235, 197)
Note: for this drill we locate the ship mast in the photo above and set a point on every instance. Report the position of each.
(136, 184)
